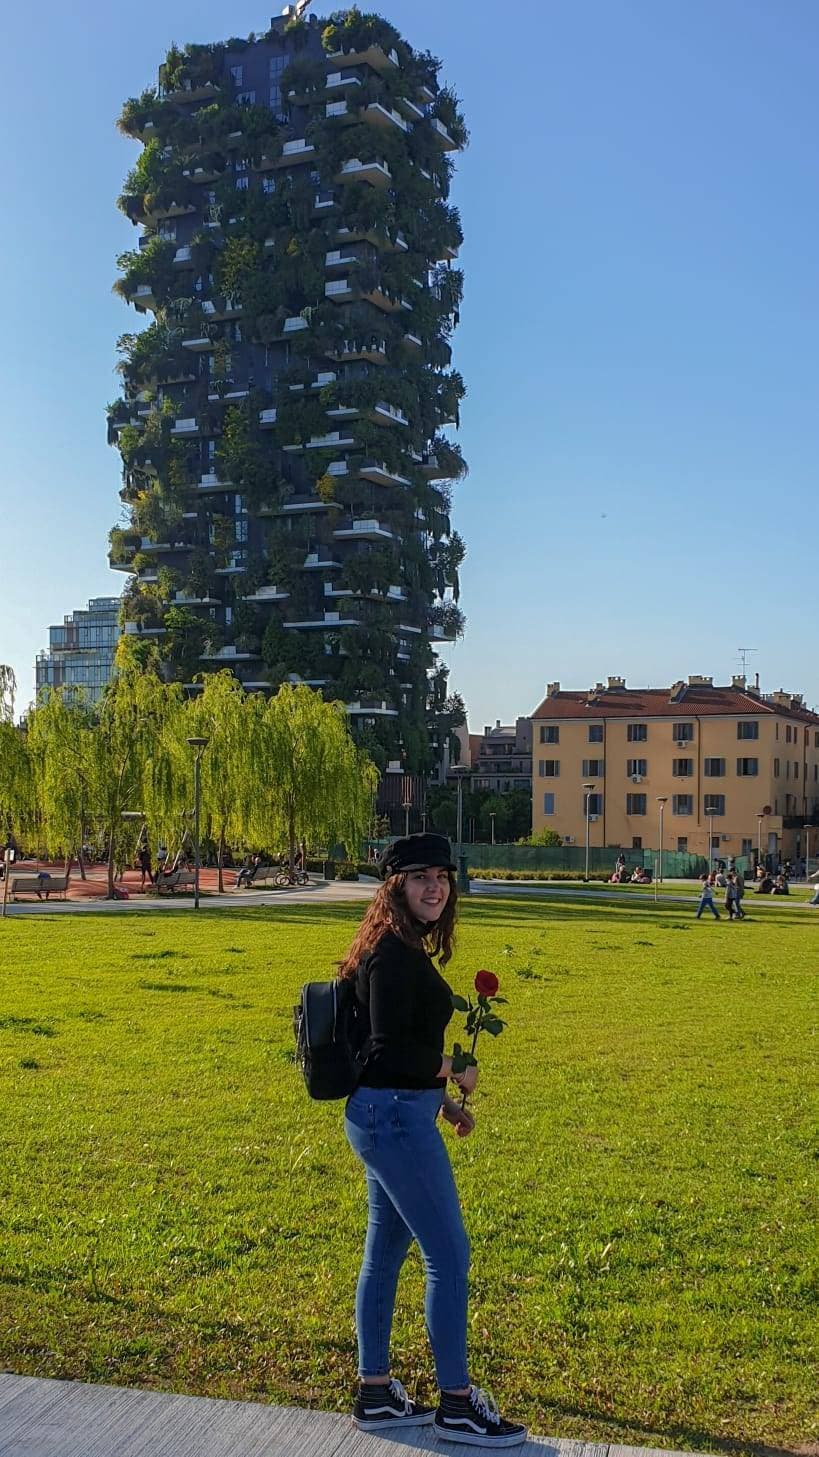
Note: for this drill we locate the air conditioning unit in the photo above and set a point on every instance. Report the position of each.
(636, 778)
(682, 743)
(593, 819)
(568, 839)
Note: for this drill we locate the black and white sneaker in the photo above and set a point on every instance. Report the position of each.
(378, 1406)
(475, 1419)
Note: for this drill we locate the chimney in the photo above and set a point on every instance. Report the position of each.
(676, 691)
(617, 682)
(698, 680)
(552, 689)
(781, 698)
(756, 682)
(487, 730)
(497, 723)
(738, 682)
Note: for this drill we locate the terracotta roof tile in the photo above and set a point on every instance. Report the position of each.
(696, 701)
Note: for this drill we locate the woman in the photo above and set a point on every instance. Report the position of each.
(390, 1122)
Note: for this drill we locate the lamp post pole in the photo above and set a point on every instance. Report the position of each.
(198, 746)
(463, 879)
(662, 800)
(492, 828)
(710, 839)
(587, 790)
(759, 820)
(807, 852)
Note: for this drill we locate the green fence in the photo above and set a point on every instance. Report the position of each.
(676, 866)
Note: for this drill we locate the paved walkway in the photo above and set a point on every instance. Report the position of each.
(43, 1418)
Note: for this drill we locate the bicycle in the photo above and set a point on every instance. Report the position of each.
(283, 878)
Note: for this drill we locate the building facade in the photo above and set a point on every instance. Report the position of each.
(501, 757)
(286, 468)
(81, 650)
(732, 765)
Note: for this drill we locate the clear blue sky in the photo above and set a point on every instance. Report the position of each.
(638, 339)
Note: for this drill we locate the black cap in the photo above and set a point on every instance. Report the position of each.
(415, 852)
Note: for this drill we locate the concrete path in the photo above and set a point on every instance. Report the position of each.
(43, 1418)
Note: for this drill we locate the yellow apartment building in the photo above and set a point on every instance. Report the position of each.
(729, 762)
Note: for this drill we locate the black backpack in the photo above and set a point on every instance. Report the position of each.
(330, 1038)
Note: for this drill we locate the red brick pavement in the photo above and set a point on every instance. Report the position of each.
(95, 886)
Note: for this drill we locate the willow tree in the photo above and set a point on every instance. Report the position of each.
(60, 734)
(8, 692)
(222, 714)
(18, 813)
(133, 768)
(311, 781)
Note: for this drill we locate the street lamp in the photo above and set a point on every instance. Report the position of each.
(459, 770)
(199, 746)
(662, 800)
(807, 830)
(406, 805)
(587, 789)
(492, 827)
(710, 813)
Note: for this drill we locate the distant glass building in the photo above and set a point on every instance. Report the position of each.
(81, 650)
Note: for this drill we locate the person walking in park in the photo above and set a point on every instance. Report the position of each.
(707, 898)
(391, 1125)
(145, 864)
(732, 899)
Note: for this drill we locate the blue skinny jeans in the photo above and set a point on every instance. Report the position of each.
(412, 1195)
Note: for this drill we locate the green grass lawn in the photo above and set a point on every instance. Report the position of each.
(175, 1213)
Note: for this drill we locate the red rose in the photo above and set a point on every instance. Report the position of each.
(486, 984)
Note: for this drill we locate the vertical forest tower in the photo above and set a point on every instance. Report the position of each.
(286, 471)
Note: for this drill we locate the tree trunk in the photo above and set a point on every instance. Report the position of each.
(221, 861)
(291, 825)
(110, 863)
(80, 863)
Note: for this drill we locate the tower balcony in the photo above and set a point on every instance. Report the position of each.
(385, 414)
(340, 81)
(340, 258)
(190, 599)
(381, 241)
(373, 350)
(374, 56)
(340, 290)
(442, 136)
(266, 594)
(184, 429)
(211, 482)
(208, 90)
(142, 629)
(171, 209)
(143, 297)
(411, 109)
(331, 620)
(372, 708)
(120, 566)
(237, 562)
(202, 174)
(325, 377)
(294, 325)
(380, 475)
(376, 172)
(198, 342)
(267, 418)
(228, 654)
(316, 561)
(334, 440)
(368, 529)
(298, 150)
(386, 117)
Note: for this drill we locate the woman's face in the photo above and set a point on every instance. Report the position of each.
(427, 892)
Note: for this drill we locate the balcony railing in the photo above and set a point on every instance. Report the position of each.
(376, 172)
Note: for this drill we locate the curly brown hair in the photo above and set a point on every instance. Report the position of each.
(388, 911)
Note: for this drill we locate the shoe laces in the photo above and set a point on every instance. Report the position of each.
(484, 1404)
(398, 1391)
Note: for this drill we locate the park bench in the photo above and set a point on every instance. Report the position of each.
(39, 884)
(175, 880)
(262, 872)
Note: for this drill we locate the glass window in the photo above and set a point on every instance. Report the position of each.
(594, 768)
(236, 75)
(637, 733)
(747, 847)
(246, 98)
(636, 766)
(636, 804)
(682, 844)
(549, 768)
(748, 730)
(683, 731)
(549, 733)
(747, 767)
(596, 734)
(715, 804)
(713, 768)
(595, 804)
(682, 768)
(683, 804)
(548, 804)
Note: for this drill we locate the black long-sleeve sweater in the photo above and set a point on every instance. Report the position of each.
(406, 1005)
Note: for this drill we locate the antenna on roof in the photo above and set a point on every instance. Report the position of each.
(744, 654)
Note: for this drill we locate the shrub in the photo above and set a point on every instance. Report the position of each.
(600, 875)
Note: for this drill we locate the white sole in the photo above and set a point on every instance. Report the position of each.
(516, 1439)
(394, 1422)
